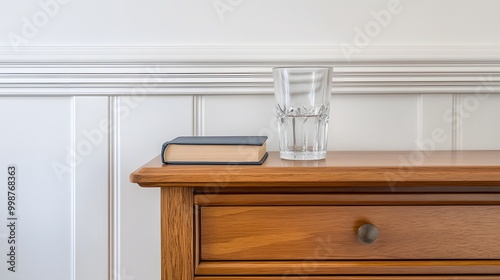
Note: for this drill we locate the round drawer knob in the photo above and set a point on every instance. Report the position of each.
(367, 233)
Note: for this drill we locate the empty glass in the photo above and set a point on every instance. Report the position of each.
(303, 107)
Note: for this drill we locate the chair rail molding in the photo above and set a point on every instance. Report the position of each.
(203, 70)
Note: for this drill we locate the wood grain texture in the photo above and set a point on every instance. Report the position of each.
(306, 277)
(345, 199)
(330, 232)
(197, 235)
(313, 267)
(438, 215)
(387, 168)
(177, 234)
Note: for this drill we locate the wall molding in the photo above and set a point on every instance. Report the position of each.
(114, 227)
(456, 123)
(74, 231)
(205, 70)
(198, 114)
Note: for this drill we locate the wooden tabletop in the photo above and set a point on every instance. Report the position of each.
(371, 168)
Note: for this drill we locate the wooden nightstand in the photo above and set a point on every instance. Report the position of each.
(353, 216)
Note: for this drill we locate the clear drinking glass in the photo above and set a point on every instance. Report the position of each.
(303, 107)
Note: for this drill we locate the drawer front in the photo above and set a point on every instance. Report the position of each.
(332, 232)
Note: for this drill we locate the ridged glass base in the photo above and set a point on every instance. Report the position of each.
(303, 155)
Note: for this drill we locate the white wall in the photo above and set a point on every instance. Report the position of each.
(288, 22)
(101, 112)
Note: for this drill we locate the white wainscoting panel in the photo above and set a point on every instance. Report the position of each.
(436, 120)
(368, 122)
(357, 122)
(479, 118)
(241, 115)
(145, 124)
(36, 136)
(91, 192)
(85, 220)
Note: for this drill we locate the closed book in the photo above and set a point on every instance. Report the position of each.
(215, 150)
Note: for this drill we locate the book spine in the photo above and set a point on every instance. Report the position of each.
(162, 155)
